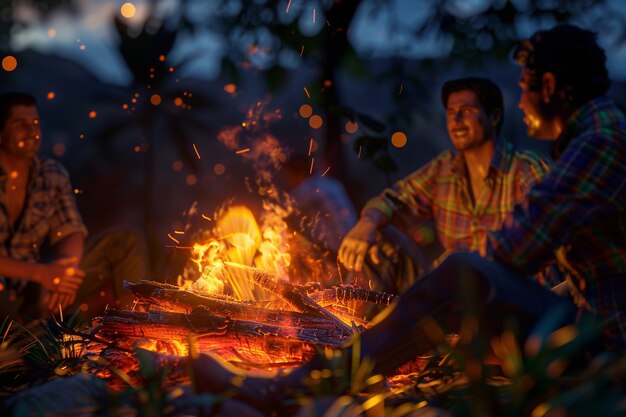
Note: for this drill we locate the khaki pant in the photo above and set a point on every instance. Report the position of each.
(109, 259)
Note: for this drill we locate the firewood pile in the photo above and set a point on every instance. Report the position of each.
(262, 338)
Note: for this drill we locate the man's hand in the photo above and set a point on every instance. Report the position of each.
(61, 279)
(54, 300)
(357, 243)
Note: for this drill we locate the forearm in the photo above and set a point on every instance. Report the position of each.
(374, 217)
(70, 246)
(18, 270)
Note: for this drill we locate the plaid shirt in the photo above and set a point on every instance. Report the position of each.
(49, 214)
(581, 207)
(439, 191)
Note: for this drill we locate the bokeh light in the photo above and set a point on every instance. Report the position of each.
(306, 111)
(191, 179)
(351, 127)
(9, 63)
(399, 139)
(128, 10)
(230, 88)
(316, 121)
(219, 169)
(177, 166)
(155, 99)
(93, 114)
(58, 149)
(51, 95)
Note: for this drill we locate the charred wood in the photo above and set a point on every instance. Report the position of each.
(173, 299)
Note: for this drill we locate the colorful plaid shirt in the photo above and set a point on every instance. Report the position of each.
(439, 191)
(49, 214)
(579, 206)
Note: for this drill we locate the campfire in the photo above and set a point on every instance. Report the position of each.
(238, 303)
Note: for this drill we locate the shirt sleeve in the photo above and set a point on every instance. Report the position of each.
(65, 219)
(534, 169)
(410, 200)
(586, 178)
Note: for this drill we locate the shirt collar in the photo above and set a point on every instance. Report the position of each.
(500, 161)
(35, 165)
(579, 121)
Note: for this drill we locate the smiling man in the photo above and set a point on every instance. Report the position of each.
(45, 261)
(467, 193)
(578, 210)
(37, 212)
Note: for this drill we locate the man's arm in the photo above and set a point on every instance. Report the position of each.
(408, 201)
(588, 177)
(361, 239)
(57, 276)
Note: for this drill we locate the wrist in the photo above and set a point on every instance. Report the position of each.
(374, 218)
(34, 273)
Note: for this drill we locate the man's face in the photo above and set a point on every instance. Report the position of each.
(536, 112)
(469, 126)
(21, 134)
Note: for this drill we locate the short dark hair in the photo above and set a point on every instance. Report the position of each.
(11, 99)
(488, 93)
(574, 57)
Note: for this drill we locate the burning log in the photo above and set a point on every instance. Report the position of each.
(293, 294)
(235, 340)
(238, 331)
(343, 293)
(173, 299)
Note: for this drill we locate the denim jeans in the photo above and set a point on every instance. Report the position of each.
(464, 285)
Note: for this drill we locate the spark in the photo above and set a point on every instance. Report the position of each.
(400, 92)
(313, 15)
(310, 147)
(302, 50)
(307, 92)
(359, 155)
(242, 151)
(196, 149)
(205, 217)
(311, 169)
(326, 172)
(288, 6)
(173, 238)
(179, 232)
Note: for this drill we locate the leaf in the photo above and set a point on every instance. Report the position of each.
(370, 123)
(275, 78)
(354, 65)
(368, 146)
(385, 164)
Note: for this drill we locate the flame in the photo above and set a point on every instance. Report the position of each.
(237, 239)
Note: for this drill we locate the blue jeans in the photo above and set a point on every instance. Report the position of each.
(464, 285)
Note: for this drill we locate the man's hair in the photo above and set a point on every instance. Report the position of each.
(488, 93)
(9, 100)
(574, 57)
